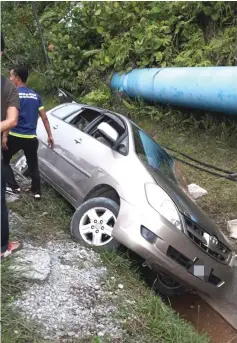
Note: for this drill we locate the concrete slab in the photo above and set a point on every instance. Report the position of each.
(196, 191)
(226, 303)
(32, 263)
(12, 197)
(232, 228)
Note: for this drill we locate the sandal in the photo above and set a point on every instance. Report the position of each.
(10, 249)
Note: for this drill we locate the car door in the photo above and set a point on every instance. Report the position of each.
(47, 157)
(67, 170)
(97, 162)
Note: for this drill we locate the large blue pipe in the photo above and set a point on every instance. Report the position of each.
(206, 88)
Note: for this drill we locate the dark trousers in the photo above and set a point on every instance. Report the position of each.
(4, 213)
(30, 148)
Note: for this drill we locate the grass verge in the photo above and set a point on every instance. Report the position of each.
(14, 329)
(147, 317)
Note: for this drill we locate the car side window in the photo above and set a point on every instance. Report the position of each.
(82, 119)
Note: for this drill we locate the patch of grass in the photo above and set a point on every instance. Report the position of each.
(14, 328)
(146, 318)
(218, 126)
(45, 219)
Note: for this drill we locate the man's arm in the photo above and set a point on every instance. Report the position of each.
(11, 120)
(45, 120)
(12, 106)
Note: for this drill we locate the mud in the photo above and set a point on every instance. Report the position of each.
(205, 320)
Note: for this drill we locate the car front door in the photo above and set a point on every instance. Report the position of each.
(96, 161)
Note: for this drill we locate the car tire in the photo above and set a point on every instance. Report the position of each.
(168, 287)
(83, 221)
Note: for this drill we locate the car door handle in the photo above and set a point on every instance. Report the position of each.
(78, 140)
(55, 127)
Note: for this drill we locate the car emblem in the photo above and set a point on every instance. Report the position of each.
(210, 240)
(214, 240)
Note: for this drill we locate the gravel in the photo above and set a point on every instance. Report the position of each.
(73, 301)
(66, 294)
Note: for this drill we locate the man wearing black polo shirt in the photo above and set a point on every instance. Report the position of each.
(9, 115)
(23, 136)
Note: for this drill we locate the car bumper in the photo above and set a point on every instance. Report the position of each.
(170, 250)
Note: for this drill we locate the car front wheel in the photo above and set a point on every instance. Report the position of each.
(93, 222)
(167, 286)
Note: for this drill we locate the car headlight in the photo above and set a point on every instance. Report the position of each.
(162, 203)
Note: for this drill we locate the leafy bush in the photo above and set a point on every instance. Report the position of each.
(98, 37)
(22, 42)
(96, 97)
(37, 82)
(115, 36)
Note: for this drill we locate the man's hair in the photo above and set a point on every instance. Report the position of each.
(22, 73)
(2, 42)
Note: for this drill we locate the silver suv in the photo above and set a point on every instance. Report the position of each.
(125, 190)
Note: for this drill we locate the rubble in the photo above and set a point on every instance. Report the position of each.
(196, 191)
(232, 228)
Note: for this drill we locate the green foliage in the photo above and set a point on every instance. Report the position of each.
(115, 36)
(22, 43)
(97, 37)
(37, 82)
(96, 97)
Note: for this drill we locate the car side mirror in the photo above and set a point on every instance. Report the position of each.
(122, 149)
(108, 131)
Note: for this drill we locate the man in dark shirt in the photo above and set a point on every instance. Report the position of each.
(23, 136)
(9, 116)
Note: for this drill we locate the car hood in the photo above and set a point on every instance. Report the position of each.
(186, 206)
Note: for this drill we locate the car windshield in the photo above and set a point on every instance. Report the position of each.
(153, 154)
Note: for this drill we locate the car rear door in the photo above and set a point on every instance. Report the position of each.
(47, 157)
(68, 172)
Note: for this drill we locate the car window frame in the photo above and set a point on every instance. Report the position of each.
(75, 114)
(54, 111)
(95, 123)
(102, 113)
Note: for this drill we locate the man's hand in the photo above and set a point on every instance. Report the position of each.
(51, 142)
(4, 140)
(47, 127)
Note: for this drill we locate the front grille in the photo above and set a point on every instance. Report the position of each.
(187, 264)
(199, 236)
(179, 257)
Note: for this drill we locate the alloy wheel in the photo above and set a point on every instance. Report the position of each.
(96, 226)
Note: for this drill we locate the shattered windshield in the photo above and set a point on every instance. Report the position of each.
(153, 154)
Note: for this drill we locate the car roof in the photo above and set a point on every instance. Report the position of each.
(105, 111)
(100, 109)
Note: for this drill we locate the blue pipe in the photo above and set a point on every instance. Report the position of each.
(206, 88)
